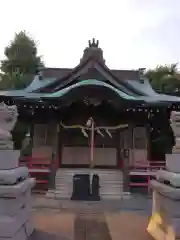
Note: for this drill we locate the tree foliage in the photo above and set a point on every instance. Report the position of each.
(18, 70)
(15, 81)
(165, 79)
(21, 62)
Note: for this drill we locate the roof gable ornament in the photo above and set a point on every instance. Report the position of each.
(93, 43)
(142, 76)
(93, 51)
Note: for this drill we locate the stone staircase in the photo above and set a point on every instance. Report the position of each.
(111, 182)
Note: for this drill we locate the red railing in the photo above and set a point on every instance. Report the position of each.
(147, 171)
(39, 168)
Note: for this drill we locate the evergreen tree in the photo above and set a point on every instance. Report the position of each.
(164, 79)
(21, 62)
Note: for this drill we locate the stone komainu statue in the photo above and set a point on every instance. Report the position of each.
(175, 125)
(8, 118)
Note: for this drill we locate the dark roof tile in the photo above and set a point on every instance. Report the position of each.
(62, 72)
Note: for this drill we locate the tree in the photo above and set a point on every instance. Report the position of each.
(15, 81)
(21, 62)
(18, 69)
(164, 78)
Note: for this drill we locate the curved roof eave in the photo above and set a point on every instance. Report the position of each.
(161, 98)
(89, 82)
(63, 81)
(149, 99)
(34, 85)
(145, 87)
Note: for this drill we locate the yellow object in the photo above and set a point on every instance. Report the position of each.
(170, 234)
(154, 227)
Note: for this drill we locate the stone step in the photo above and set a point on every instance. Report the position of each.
(114, 187)
(111, 182)
(112, 197)
(70, 180)
(107, 181)
(102, 188)
(102, 185)
(63, 193)
(111, 192)
(111, 176)
(108, 174)
(86, 172)
(67, 195)
(100, 178)
(64, 187)
(60, 196)
(103, 176)
(68, 190)
(101, 182)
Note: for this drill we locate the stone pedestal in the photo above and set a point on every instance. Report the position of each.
(165, 219)
(15, 203)
(15, 184)
(173, 162)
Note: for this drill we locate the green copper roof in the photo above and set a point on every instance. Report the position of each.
(89, 82)
(36, 84)
(28, 93)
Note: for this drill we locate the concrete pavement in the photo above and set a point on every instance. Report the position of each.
(107, 220)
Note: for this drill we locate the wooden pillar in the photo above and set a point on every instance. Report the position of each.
(125, 157)
(52, 174)
(126, 176)
(118, 150)
(32, 136)
(60, 146)
(148, 144)
(53, 166)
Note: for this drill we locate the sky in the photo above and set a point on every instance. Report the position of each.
(132, 33)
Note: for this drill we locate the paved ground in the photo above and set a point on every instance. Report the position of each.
(110, 220)
(139, 203)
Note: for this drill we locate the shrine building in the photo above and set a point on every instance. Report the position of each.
(92, 119)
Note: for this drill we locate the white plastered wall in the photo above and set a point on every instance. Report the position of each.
(135, 139)
(81, 155)
(138, 155)
(45, 140)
